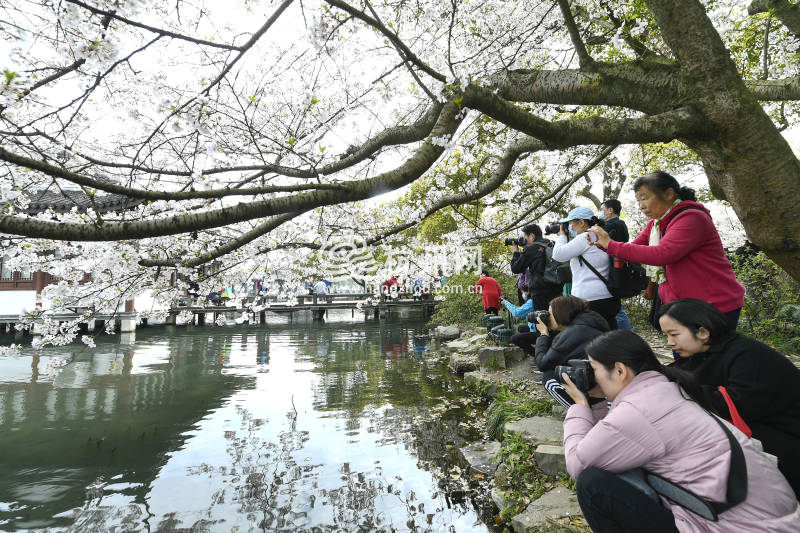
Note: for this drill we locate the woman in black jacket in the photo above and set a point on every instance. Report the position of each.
(763, 385)
(574, 325)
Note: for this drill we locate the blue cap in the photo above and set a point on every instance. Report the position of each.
(579, 213)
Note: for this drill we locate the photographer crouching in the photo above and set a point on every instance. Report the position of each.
(530, 264)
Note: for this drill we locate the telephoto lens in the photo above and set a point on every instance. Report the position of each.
(514, 240)
(544, 315)
(552, 228)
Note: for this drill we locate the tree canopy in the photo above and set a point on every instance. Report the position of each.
(250, 133)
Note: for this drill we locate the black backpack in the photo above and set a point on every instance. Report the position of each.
(625, 279)
(555, 272)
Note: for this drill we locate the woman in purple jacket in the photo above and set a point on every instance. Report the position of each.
(658, 421)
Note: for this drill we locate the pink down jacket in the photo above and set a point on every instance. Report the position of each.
(651, 425)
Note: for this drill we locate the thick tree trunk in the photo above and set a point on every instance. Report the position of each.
(747, 160)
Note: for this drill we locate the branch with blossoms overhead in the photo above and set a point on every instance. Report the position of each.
(231, 139)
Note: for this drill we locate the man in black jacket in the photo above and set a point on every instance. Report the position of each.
(533, 259)
(618, 231)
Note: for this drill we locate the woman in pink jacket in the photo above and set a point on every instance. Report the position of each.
(657, 421)
(680, 247)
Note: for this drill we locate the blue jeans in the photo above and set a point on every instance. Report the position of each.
(622, 321)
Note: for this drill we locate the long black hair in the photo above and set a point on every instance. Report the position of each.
(660, 181)
(696, 314)
(631, 350)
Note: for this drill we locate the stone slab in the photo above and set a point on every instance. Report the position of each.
(554, 504)
(492, 357)
(481, 455)
(537, 430)
(447, 332)
(498, 498)
(461, 363)
(550, 459)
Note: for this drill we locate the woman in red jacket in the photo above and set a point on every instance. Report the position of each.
(680, 247)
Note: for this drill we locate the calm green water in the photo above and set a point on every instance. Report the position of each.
(301, 427)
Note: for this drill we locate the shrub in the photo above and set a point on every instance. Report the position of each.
(771, 310)
(460, 306)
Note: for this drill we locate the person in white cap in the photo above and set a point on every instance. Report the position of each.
(582, 258)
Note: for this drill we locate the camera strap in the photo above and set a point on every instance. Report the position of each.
(736, 487)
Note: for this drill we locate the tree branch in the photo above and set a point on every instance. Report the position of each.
(775, 90)
(159, 31)
(227, 248)
(406, 173)
(663, 127)
(584, 59)
(786, 12)
(393, 38)
(395, 135)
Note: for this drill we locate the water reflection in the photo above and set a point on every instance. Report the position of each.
(304, 429)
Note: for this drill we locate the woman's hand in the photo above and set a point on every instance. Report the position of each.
(602, 237)
(573, 391)
(541, 327)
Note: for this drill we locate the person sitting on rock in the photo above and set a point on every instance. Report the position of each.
(526, 335)
(761, 384)
(660, 421)
(573, 325)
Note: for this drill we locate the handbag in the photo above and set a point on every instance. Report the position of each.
(736, 493)
(736, 418)
(652, 316)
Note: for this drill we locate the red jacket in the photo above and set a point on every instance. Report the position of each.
(490, 290)
(692, 255)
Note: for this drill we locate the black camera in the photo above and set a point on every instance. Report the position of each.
(580, 372)
(512, 240)
(552, 228)
(544, 315)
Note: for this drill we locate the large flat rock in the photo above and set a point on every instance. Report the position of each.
(537, 430)
(557, 503)
(481, 455)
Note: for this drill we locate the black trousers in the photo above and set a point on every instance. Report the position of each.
(490, 310)
(525, 339)
(608, 309)
(612, 505)
(542, 297)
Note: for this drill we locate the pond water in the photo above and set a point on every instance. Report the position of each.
(277, 427)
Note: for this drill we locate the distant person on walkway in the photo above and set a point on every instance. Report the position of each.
(320, 287)
(681, 247)
(530, 265)
(763, 384)
(490, 290)
(526, 335)
(618, 231)
(563, 337)
(390, 287)
(659, 420)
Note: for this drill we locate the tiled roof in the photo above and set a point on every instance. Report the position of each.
(64, 201)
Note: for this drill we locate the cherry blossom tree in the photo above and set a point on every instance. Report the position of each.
(249, 133)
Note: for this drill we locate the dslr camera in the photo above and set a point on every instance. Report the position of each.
(553, 228)
(580, 372)
(544, 315)
(509, 241)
